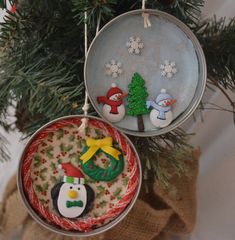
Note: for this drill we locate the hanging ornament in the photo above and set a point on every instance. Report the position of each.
(79, 183)
(146, 42)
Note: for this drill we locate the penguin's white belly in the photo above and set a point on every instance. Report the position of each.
(111, 116)
(71, 212)
(159, 122)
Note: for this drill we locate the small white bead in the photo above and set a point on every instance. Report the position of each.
(137, 51)
(169, 75)
(114, 75)
(141, 45)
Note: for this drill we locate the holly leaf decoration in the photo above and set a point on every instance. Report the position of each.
(103, 204)
(49, 151)
(125, 181)
(71, 138)
(50, 135)
(42, 174)
(101, 191)
(117, 192)
(60, 134)
(45, 186)
(54, 180)
(38, 188)
(37, 161)
(53, 166)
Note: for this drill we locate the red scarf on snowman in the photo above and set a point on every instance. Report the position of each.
(114, 104)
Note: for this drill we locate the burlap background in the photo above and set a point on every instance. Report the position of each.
(155, 216)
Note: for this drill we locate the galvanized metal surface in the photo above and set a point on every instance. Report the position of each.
(167, 39)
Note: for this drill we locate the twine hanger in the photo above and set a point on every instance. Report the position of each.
(145, 15)
(86, 106)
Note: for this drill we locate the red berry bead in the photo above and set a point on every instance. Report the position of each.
(111, 205)
(103, 160)
(123, 175)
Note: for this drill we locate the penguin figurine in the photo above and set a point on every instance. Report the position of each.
(161, 114)
(71, 197)
(113, 109)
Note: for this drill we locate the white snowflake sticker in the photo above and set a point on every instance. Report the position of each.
(113, 68)
(134, 45)
(168, 69)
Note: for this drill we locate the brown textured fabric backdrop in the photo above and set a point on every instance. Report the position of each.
(155, 216)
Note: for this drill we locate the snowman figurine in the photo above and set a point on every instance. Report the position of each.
(113, 109)
(71, 197)
(161, 114)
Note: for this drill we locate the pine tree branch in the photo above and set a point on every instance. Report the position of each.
(217, 39)
(189, 11)
(214, 82)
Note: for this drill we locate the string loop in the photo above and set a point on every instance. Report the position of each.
(145, 15)
(86, 106)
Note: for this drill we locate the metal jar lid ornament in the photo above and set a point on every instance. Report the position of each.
(75, 184)
(145, 72)
(78, 175)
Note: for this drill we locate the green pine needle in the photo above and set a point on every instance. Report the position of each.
(217, 39)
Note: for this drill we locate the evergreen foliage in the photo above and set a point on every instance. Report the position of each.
(217, 39)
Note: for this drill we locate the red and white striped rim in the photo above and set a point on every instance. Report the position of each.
(88, 224)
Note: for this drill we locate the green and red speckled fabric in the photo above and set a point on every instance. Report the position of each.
(66, 145)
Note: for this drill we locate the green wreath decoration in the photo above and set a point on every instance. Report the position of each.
(103, 174)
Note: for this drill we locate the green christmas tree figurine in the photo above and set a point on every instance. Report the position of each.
(137, 99)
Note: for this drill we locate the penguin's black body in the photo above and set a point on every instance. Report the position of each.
(55, 191)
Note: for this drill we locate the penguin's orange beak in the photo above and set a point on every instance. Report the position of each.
(170, 102)
(122, 96)
(72, 194)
